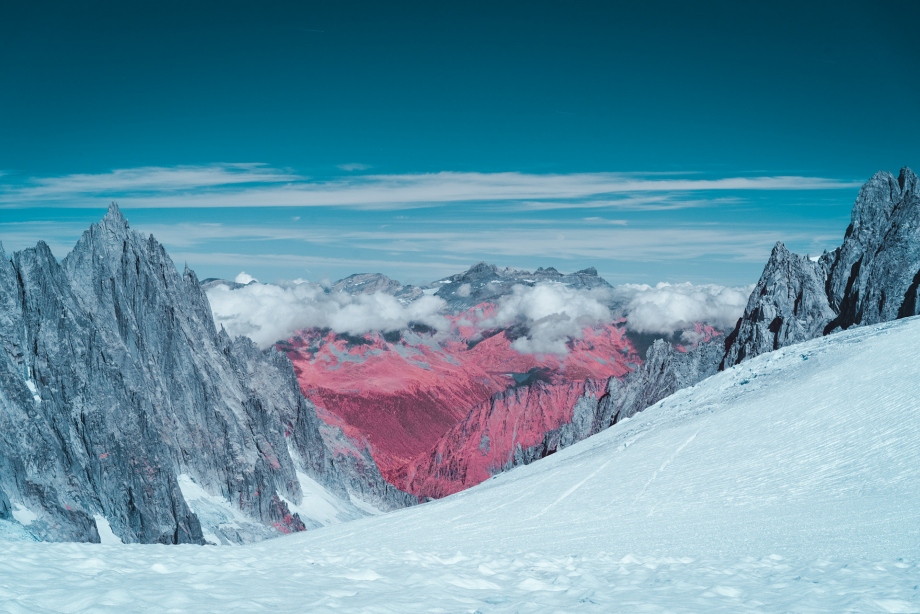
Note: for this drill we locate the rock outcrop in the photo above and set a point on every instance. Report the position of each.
(873, 277)
(116, 389)
(788, 305)
(666, 370)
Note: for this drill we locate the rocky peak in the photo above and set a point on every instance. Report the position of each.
(880, 256)
(114, 216)
(908, 181)
(481, 271)
(482, 267)
(873, 277)
(873, 208)
(115, 390)
(788, 304)
(366, 283)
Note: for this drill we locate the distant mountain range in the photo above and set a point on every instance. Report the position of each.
(871, 278)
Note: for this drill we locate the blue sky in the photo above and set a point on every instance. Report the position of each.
(671, 141)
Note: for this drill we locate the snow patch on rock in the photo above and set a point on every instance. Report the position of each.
(107, 537)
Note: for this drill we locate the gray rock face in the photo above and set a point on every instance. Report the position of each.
(876, 276)
(6, 510)
(788, 305)
(114, 383)
(873, 277)
(666, 370)
(371, 283)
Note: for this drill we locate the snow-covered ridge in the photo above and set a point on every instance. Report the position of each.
(787, 483)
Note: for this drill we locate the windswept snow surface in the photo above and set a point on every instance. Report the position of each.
(788, 483)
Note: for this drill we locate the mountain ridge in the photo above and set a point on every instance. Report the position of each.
(872, 277)
(115, 383)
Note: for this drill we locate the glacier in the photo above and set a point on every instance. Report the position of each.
(789, 482)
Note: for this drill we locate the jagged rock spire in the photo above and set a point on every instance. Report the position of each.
(114, 219)
(873, 277)
(908, 181)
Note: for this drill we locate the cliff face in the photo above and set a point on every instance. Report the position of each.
(788, 305)
(117, 392)
(873, 277)
(666, 370)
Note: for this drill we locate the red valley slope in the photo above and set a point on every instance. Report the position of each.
(403, 394)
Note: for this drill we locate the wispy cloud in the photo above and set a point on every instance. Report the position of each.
(257, 185)
(599, 240)
(353, 166)
(426, 270)
(144, 180)
(616, 242)
(666, 201)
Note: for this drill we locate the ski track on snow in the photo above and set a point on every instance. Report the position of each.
(666, 463)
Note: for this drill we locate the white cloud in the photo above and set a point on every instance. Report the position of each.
(256, 185)
(666, 308)
(657, 201)
(549, 314)
(354, 166)
(146, 179)
(267, 313)
(552, 313)
(244, 278)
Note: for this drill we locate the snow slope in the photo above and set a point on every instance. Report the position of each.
(788, 483)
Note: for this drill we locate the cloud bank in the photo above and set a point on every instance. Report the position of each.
(547, 315)
(667, 308)
(551, 313)
(267, 313)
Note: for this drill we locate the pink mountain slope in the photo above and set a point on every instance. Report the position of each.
(510, 428)
(400, 397)
(485, 441)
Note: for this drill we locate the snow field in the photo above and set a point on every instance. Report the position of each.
(812, 451)
(39, 578)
